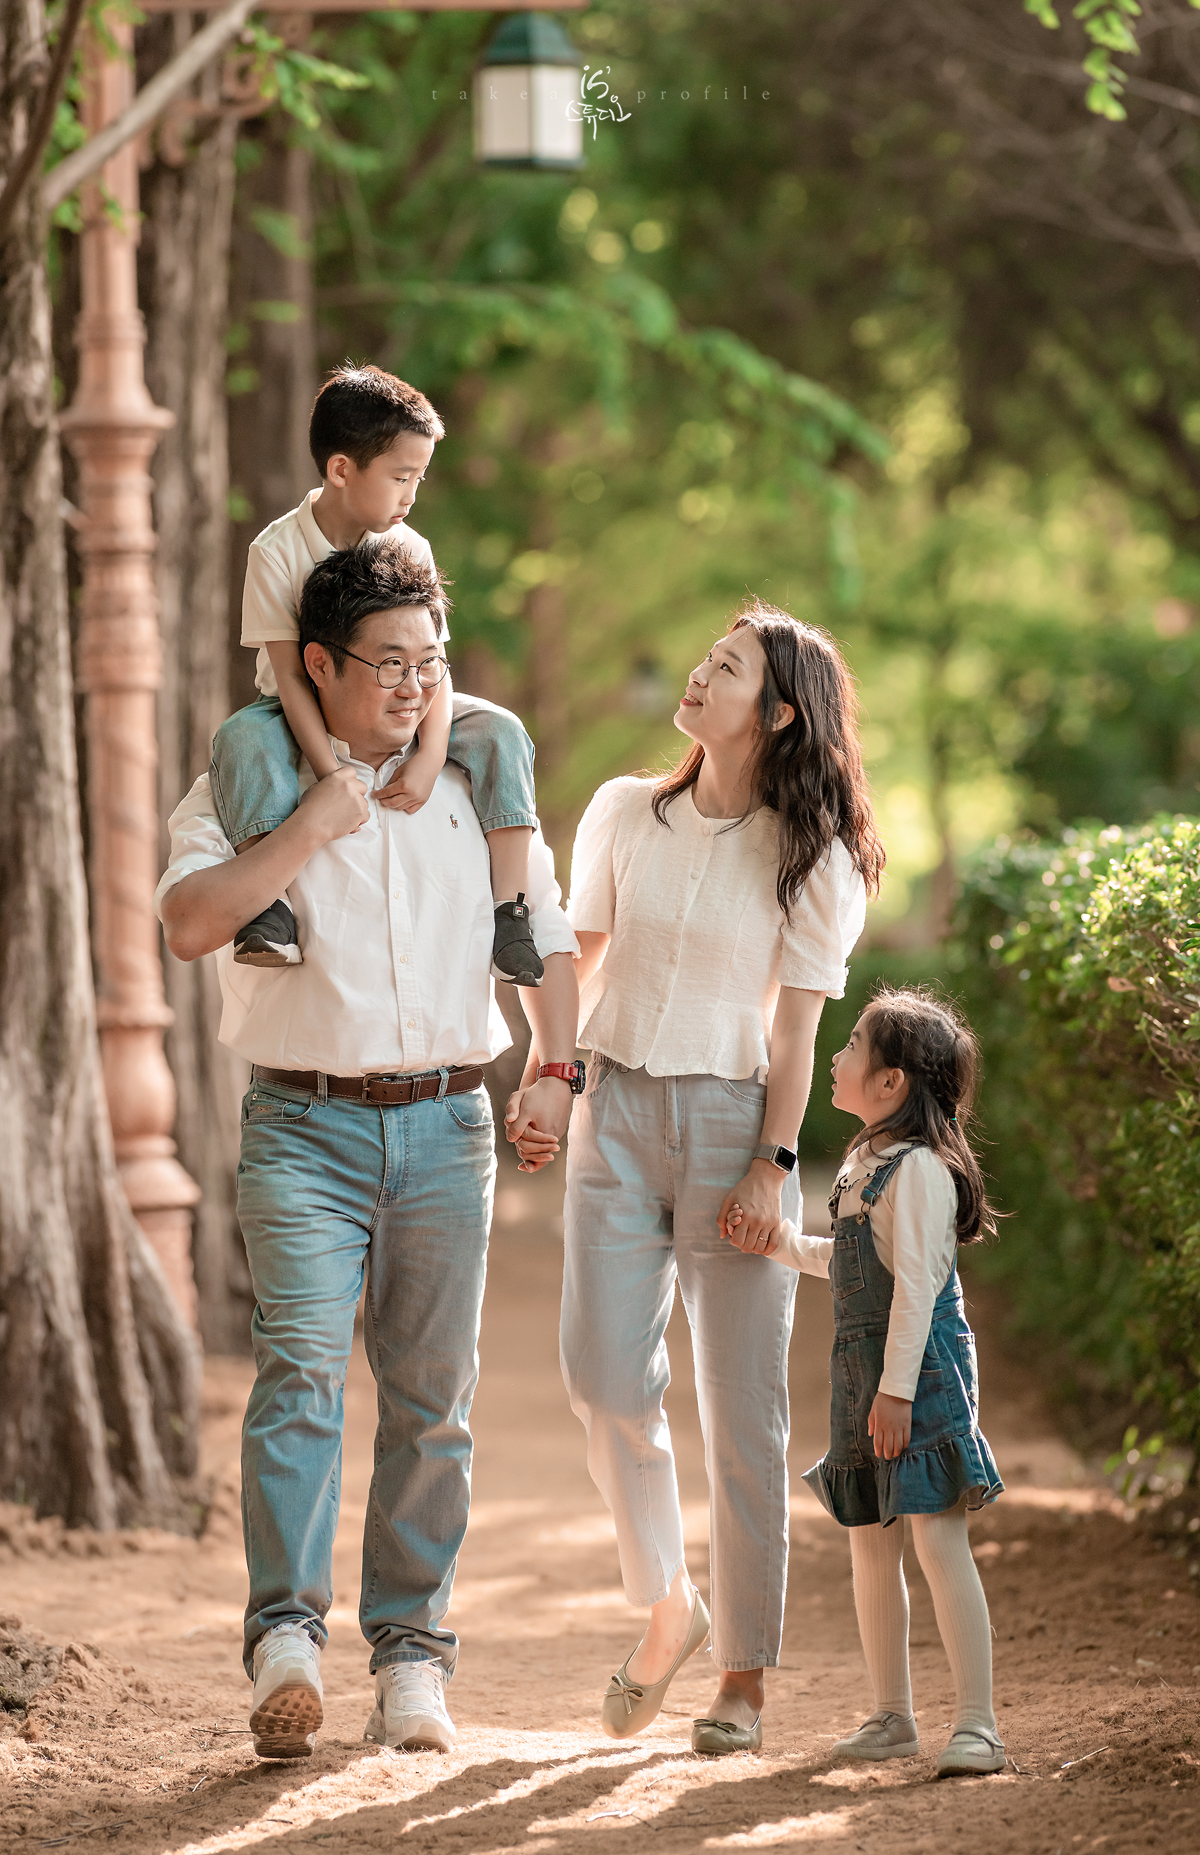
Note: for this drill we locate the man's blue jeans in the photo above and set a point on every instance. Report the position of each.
(330, 1191)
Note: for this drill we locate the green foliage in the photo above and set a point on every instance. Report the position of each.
(294, 78)
(1106, 24)
(1080, 964)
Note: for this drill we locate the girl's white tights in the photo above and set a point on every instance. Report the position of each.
(881, 1599)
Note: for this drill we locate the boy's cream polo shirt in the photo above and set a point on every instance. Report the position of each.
(280, 561)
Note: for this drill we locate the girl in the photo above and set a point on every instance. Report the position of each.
(715, 910)
(905, 1439)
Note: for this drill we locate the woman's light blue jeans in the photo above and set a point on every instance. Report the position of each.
(650, 1159)
(331, 1192)
(256, 767)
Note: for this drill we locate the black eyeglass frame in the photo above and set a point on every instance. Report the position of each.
(400, 680)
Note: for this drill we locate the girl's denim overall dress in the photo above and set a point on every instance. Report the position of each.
(947, 1457)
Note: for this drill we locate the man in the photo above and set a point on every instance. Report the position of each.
(367, 1148)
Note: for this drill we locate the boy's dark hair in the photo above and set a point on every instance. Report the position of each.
(361, 411)
(347, 587)
(912, 1030)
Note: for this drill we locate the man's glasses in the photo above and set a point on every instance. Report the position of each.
(393, 670)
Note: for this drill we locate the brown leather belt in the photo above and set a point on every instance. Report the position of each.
(381, 1091)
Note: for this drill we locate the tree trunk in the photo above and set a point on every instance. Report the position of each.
(273, 361)
(99, 1375)
(183, 285)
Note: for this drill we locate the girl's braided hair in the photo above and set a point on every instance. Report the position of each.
(912, 1030)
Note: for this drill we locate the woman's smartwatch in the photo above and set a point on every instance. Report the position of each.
(572, 1073)
(781, 1156)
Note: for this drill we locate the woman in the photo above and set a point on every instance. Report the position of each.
(715, 910)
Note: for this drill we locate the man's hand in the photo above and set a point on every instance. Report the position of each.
(890, 1423)
(535, 1120)
(335, 806)
(410, 788)
(757, 1198)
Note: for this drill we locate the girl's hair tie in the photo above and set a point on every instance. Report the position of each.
(954, 1120)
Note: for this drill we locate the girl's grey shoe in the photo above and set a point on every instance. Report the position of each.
(973, 1752)
(286, 1709)
(630, 1705)
(884, 1735)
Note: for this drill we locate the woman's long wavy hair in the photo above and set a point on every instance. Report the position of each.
(810, 774)
(910, 1029)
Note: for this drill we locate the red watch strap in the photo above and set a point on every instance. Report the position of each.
(564, 1071)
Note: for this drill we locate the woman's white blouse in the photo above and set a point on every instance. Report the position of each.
(700, 945)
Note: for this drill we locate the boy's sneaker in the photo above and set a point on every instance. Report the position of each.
(269, 940)
(286, 1710)
(515, 959)
(973, 1752)
(410, 1709)
(884, 1735)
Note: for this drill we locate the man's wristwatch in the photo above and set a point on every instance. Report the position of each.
(781, 1156)
(572, 1073)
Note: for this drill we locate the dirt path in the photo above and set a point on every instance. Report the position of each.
(141, 1741)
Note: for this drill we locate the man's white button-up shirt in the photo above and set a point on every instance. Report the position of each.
(395, 922)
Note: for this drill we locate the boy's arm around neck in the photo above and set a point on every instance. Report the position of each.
(301, 707)
(415, 780)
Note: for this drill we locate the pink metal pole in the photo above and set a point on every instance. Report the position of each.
(113, 427)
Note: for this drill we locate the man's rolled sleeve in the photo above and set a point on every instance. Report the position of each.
(197, 840)
(548, 924)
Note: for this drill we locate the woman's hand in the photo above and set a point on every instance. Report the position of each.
(738, 1236)
(757, 1201)
(890, 1423)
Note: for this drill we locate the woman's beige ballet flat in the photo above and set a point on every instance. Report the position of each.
(717, 1737)
(629, 1705)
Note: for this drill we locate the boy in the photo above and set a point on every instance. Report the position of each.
(371, 438)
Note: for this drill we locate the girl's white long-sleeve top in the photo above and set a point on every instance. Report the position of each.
(912, 1223)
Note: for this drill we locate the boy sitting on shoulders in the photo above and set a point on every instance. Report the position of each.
(371, 437)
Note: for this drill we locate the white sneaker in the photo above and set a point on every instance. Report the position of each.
(286, 1710)
(884, 1735)
(972, 1752)
(410, 1708)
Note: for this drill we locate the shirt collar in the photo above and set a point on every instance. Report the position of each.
(377, 776)
(318, 545)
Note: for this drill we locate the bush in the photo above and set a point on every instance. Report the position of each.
(1079, 964)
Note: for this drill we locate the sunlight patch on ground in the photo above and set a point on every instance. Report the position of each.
(791, 1829)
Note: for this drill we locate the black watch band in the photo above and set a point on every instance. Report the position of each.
(781, 1156)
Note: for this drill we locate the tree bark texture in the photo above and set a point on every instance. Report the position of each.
(183, 283)
(273, 360)
(99, 1375)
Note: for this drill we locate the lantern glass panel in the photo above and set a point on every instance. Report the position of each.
(521, 116)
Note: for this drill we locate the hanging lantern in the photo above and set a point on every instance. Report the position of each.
(525, 84)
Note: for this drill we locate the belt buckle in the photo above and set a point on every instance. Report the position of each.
(367, 1096)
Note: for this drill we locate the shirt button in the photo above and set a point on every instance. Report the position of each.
(674, 959)
(695, 875)
(404, 959)
(412, 1024)
(395, 895)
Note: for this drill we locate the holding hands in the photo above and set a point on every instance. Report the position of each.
(750, 1215)
(535, 1121)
